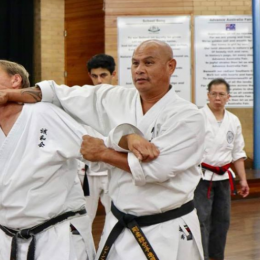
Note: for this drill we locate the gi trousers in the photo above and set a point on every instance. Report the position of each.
(214, 216)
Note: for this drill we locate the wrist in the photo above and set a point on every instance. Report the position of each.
(6, 94)
(104, 155)
(123, 143)
(9, 95)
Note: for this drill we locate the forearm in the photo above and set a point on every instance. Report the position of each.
(240, 169)
(26, 95)
(116, 159)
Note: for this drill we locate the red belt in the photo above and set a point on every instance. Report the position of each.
(220, 171)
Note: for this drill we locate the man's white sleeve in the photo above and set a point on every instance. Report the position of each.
(96, 106)
(238, 150)
(180, 145)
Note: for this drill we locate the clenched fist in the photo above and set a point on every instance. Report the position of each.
(92, 148)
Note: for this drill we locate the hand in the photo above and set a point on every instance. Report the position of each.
(92, 148)
(3, 97)
(141, 148)
(244, 188)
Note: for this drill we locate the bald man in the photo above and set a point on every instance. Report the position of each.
(152, 214)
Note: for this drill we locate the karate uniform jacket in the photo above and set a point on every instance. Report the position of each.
(175, 126)
(224, 142)
(38, 180)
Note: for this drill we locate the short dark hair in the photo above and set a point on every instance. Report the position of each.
(102, 61)
(218, 81)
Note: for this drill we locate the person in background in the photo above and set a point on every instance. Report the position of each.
(224, 145)
(101, 68)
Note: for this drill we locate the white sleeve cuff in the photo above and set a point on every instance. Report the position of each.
(238, 156)
(136, 170)
(116, 134)
(47, 92)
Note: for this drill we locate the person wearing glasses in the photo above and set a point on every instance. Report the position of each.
(224, 146)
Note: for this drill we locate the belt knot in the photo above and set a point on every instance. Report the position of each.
(125, 219)
(25, 234)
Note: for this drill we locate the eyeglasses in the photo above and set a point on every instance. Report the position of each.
(215, 94)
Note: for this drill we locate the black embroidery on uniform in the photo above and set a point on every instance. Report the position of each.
(41, 144)
(44, 131)
(43, 137)
(183, 235)
(152, 134)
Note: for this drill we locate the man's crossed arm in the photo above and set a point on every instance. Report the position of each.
(26, 95)
(94, 150)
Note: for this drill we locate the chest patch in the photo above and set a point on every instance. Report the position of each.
(230, 137)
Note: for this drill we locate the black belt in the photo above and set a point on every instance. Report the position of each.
(31, 232)
(135, 223)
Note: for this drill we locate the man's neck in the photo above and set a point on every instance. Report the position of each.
(149, 100)
(8, 116)
(218, 113)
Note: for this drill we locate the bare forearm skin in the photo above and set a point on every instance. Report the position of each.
(116, 159)
(26, 95)
(240, 169)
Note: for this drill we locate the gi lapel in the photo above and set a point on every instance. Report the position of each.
(217, 138)
(147, 123)
(10, 141)
(2, 137)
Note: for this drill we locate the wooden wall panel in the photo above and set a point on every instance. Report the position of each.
(84, 23)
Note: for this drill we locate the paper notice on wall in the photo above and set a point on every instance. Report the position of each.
(174, 30)
(223, 49)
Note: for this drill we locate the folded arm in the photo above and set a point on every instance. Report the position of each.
(94, 150)
(180, 142)
(26, 95)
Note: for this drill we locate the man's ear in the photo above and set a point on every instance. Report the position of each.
(16, 81)
(113, 73)
(172, 65)
(228, 97)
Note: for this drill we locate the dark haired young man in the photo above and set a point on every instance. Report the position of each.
(101, 69)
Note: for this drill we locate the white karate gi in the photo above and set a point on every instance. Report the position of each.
(176, 127)
(98, 184)
(38, 181)
(224, 142)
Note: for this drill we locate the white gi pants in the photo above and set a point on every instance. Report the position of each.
(98, 187)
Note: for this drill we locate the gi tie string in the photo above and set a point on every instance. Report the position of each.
(86, 183)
